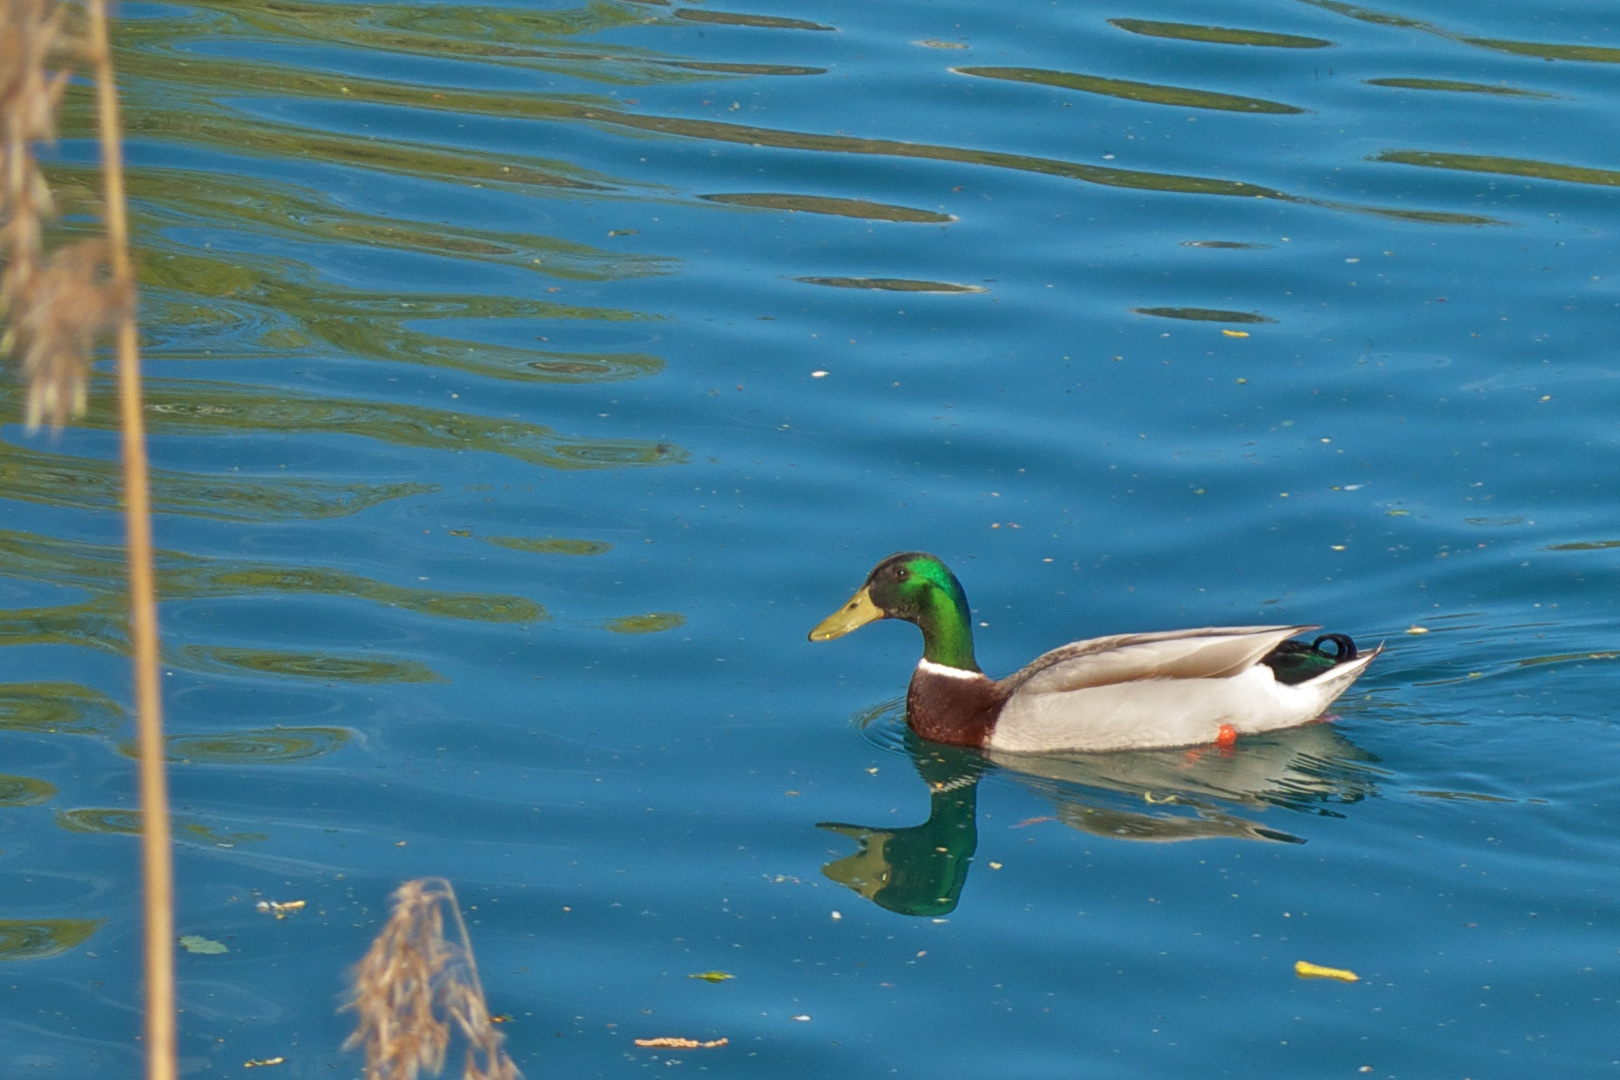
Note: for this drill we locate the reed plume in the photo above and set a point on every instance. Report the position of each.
(30, 37)
(55, 305)
(416, 988)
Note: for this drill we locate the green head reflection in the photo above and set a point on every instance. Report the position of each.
(919, 870)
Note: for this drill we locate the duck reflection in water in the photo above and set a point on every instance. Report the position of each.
(919, 870)
(1161, 796)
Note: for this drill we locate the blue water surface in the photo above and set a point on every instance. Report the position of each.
(526, 380)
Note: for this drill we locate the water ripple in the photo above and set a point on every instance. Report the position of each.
(298, 665)
(36, 939)
(823, 204)
(1152, 93)
(1218, 35)
(25, 791)
(57, 708)
(269, 746)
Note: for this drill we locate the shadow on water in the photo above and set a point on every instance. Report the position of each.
(1159, 796)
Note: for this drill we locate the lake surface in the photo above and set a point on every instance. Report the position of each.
(526, 381)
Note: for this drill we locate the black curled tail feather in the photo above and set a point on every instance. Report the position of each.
(1346, 647)
(1294, 662)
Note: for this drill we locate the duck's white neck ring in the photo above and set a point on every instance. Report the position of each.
(932, 668)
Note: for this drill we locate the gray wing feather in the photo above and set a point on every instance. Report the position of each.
(1208, 653)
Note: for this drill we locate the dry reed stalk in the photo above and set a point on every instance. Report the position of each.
(415, 988)
(56, 306)
(157, 855)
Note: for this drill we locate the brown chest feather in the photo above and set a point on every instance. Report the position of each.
(953, 710)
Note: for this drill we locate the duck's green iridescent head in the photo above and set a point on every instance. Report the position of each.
(918, 588)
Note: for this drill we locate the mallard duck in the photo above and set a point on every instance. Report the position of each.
(1126, 691)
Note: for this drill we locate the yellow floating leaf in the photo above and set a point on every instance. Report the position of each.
(259, 1063)
(712, 976)
(1307, 970)
(1235, 333)
(665, 1042)
(1417, 629)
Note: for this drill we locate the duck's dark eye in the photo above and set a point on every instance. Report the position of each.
(901, 573)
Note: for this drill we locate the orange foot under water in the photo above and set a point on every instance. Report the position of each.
(1225, 739)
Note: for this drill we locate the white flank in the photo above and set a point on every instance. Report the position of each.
(1165, 712)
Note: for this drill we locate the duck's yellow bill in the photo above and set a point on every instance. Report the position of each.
(866, 871)
(852, 616)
